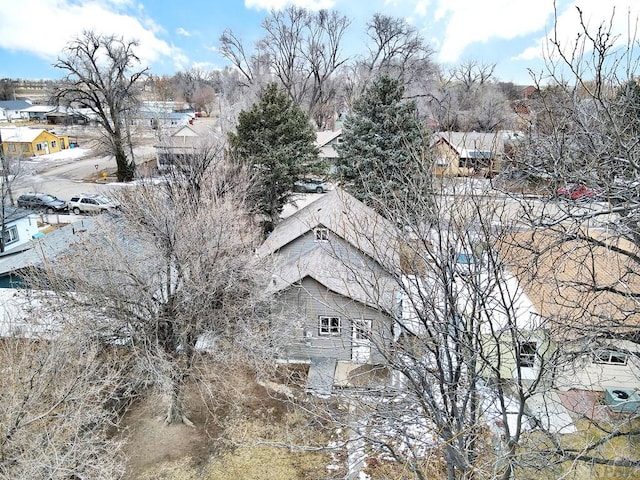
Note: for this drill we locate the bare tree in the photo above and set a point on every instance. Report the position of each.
(396, 50)
(302, 49)
(172, 274)
(101, 76)
(469, 99)
(586, 135)
(61, 397)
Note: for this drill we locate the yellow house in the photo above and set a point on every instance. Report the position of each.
(467, 153)
(30, 142)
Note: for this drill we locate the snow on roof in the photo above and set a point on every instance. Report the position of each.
(40, 109)
(20, 134)
(324, 137)
(466, 142)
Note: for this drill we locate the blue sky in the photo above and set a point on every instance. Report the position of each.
(177, 35)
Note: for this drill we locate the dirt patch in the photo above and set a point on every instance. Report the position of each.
(237, 422)
(151, 442)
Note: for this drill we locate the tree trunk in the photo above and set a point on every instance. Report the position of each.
(126, 167)
(175, 407)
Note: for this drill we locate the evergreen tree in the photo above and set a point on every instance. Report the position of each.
(382, 145)
(274, 140)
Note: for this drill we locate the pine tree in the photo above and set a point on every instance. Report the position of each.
(274, 140)
(382, 145)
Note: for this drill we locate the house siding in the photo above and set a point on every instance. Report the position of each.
(26, 227)
(308, 301)
(54, 144)
(579, 371)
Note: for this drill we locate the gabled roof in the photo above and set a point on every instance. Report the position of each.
(20, 134)
(468, 144)
(344, 216)
(188, 137)
(326, 136)
(14, 104)
(356, 282)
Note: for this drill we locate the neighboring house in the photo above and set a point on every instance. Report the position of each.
(474, 292)
(329, 277)
(20, 226)
(183, 144)
(467, 153)
(39, 112)
(30, 142)
(34, 248)
(326, 142)
(574, 308)
(160, 119)
(63, 115)
(585, 299)
(14, 110)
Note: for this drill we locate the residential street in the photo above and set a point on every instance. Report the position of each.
(68, 172)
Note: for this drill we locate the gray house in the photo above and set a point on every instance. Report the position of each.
(329, 274)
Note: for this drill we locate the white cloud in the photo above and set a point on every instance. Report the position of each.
(280, 4)
(471, 21)
(595, 13)
(181, 31)
(69, 18)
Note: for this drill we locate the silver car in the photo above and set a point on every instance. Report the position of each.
(91, 203)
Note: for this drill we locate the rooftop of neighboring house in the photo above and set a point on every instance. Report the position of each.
(327, 136)
(40, 109)
(49, 246)
(11, 214)
(190, 136)
(14, 104)
(20, 134)
(466, 143)
(583, 287)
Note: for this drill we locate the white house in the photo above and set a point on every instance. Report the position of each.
(20, 227)
(13, 110)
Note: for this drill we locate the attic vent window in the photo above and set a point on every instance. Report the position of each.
(610, 357)
(321, 234)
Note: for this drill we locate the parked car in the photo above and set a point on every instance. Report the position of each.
(310, 185)
(42, 201)
(576, 191)
(91, 203)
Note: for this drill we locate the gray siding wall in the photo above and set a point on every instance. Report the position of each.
(310, 300)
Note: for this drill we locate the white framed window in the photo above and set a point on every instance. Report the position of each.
(329, 325)
(321, 234)
(362, 329)
(39, 147)
(11, 235)
(54, 144)
(610, 357)
(527, 354)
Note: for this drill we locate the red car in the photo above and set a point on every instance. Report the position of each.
(576, 191)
